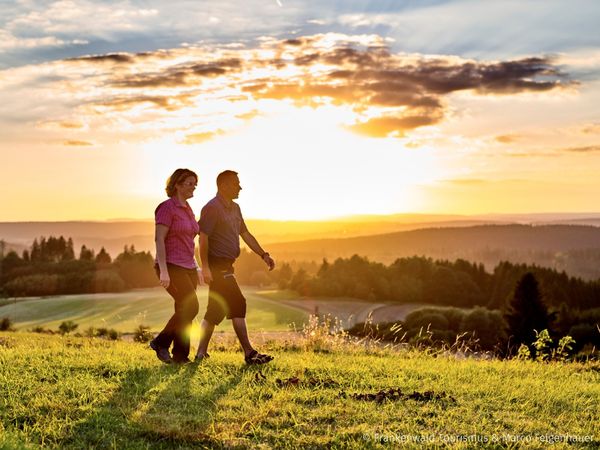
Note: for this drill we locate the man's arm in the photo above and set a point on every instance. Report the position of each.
(206, 273)
(256, 248)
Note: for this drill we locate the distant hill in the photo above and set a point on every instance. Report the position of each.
(573, 248)
(551, 241)
(12, 247)
(113, 236)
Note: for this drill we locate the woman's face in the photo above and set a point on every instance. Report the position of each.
(187, 187)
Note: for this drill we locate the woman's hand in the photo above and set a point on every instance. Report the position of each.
(165, 280)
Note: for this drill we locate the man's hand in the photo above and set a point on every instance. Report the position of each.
(165, 280)
(207, 275)
(269, 261)
(200, 277)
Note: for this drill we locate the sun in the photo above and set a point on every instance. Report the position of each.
(299, 163)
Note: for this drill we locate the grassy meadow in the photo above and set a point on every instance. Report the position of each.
(67, 392)
(151, 307)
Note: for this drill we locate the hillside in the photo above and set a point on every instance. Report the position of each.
(114, 235)
(570, 247)
(89, 393)
(546, 245)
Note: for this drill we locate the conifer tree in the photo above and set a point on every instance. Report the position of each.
(103, 257)
(526, 313)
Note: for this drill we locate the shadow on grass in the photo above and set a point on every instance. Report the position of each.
(185, 409)
(154, 407)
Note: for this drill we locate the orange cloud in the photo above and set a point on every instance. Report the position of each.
(390, 94)
(170, 103)
(75, 143)
(199, 138)
(507, 138)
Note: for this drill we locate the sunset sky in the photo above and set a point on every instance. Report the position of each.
(325, 108)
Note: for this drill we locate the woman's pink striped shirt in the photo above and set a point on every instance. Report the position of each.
(183, 228)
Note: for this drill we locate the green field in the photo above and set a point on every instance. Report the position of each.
(125, 311)
(67, 392)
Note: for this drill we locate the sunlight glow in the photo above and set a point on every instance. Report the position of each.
(289, 171)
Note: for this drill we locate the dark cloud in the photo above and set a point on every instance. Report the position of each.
(170, 103)
(373, 77)
(179, 75)
(120, 58)
(586, 149)
(173, 79)
(390, 93)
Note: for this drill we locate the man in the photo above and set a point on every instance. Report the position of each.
(221, 224)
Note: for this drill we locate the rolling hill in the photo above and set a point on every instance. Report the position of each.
(553, 246)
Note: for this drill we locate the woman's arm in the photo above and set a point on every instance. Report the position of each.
(160, 233)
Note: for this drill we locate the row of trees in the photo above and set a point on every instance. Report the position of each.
(419, 279)
(50, 268)
(516, 328)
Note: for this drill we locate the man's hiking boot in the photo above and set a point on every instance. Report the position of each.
(161, 352)
(181, 362)
(200, 357)
(257, 358)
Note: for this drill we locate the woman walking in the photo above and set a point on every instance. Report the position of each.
(176, 267)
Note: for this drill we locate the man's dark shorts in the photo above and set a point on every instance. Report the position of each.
(225, 299)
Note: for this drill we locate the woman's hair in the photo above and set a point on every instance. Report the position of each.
(178, 177)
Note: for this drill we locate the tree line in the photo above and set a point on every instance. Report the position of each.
(51, 267)
(524, 326)
(420, 279)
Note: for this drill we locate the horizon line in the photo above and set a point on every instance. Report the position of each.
(583, 215)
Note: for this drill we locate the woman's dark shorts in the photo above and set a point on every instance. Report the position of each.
(225, 299)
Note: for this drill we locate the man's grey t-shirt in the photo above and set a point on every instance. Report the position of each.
(223, 224)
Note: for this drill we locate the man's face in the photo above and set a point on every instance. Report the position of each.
(233, 188)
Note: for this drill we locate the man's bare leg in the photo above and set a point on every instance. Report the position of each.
(239, 325)
(206, 331)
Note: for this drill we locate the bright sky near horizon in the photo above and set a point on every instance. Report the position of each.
(325, 108)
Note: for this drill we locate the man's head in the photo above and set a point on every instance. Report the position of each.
(228, 184)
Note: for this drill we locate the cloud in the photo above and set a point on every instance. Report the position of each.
(584, 149)
(124, 103)
(180, 74)
(109, 57)
(557, 152)
(249, 115)
(507, 138)
(10, 42)
(386, 94)
(199, 138)
(412, 88)
(593, 128)
(60, 124)
(76, 143)
(390, 125)
(465, 181)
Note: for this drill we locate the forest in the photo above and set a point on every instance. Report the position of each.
(51, 267)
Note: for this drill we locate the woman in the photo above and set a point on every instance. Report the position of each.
(176, 267)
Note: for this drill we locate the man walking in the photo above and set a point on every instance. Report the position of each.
(221, 224)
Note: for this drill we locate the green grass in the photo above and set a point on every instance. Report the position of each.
(125, 311)
(64, 392)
